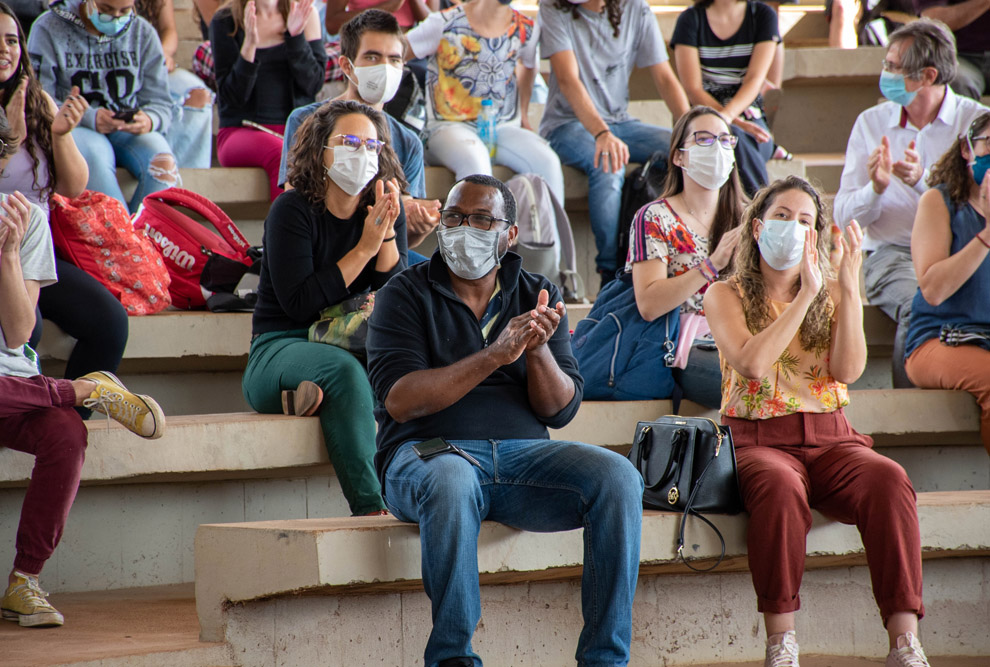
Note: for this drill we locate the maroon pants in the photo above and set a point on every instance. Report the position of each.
(791, 465)
(36, 417)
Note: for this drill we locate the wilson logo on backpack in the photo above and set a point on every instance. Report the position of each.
(186, 244)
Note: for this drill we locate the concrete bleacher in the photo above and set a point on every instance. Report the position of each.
(276, 558)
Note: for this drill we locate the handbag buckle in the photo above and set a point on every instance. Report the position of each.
(668, 357)
(673, 495)
(718, 442)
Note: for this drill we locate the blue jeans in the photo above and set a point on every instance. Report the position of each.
(752, 157)
(536, 485)
(134, 152)
(191, 132)
(576, 148)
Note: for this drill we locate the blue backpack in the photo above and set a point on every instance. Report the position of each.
(622, 357)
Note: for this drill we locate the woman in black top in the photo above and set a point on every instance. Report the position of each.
(723, 50)
(269, 59)
(338, 234)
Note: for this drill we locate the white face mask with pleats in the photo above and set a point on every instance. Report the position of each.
(710, 166)
(352, 170)
(782, 243)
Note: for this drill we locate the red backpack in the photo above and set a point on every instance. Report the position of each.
(188, 245)
(94, 232)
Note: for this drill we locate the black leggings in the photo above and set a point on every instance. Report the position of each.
(84, 309)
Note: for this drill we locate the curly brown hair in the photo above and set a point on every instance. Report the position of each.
(37, 113)
(816, 329)
(731, 197)
(612, 8)
(952, 170)
(306, 171)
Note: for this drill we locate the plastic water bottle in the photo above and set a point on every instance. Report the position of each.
(487, 120)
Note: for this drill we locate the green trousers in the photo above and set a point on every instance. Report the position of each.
(281, 360)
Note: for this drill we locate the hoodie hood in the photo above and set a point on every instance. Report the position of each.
(70, 10)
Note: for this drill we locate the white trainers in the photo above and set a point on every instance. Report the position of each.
(908, 653)
(138, 413)
(784, 654)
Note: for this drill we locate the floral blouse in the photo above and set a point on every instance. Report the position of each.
(799, 381)
(465, 68)
(661, 234)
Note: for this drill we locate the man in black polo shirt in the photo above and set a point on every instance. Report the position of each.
(466, 348)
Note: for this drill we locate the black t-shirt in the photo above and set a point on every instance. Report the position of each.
(281, 77)
(419, 323)
(299, 274)
(724, 62)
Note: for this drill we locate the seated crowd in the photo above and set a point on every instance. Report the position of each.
(468, 358)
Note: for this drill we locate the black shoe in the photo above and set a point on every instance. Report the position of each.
(456, 662)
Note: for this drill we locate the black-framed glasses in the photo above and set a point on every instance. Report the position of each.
(704, 138)
(449, 218)
(354, 143)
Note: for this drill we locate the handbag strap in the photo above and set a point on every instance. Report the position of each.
(689, 509)
(673, 462)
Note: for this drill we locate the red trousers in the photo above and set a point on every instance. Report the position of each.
(36, 417)
(248, 147)
(791, 465)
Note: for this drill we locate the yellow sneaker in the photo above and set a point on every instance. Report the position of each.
(25, 603)
(138, 413)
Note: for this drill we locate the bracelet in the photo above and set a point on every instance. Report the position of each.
(711, 267)
(601, 133)
(705, 272)
(390, 238)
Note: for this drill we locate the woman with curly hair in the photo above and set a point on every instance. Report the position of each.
(269, 59)
(679, 243)
(948, 341)
(791, 338)
(593, 47)
(338, 234)
(478, 51)
(48, 162)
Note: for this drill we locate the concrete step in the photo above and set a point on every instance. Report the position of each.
(824, 169)
(144, 627)
(140, 503)
(369, 568)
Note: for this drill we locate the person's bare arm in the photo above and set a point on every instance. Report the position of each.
(18, 297)
(71, 170)
(941, 274)
(420, 9)
(670, 89)
(958, 16)
(168, 33)
(207, 8)
(525, 78)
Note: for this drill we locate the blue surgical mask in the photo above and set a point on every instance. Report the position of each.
(106, 24)
(782, 243)
(892, 87)
(980, 165)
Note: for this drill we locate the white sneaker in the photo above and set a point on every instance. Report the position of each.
(908, 653)
(784, 654)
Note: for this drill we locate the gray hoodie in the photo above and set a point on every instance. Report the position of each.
(125, 71)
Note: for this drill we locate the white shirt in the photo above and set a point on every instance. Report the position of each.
(888, 218)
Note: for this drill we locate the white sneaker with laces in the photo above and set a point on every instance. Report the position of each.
(784, 654)
(908, 653)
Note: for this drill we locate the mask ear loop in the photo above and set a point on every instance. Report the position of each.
(972, 153)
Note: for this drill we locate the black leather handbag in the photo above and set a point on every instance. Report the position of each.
(688, 465)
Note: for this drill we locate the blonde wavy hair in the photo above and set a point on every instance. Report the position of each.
(816, 330)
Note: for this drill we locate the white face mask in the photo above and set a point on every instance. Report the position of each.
(352, 170)
(782, 243)
(470, 253)
(709, 166)
(377, 83)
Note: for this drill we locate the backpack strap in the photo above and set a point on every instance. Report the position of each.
(210, 211)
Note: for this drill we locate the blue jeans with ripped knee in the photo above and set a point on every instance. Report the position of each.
(190, 133)
(537, 485)
(135, 153)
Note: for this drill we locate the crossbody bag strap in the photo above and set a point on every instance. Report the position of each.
(689, 509)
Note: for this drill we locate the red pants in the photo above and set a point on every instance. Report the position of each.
(791, 465)
(36, 417)
(248, 147)
(937, 366)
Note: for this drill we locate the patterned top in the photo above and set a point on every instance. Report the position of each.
(661, 234)
(800, 381)
(465, 68)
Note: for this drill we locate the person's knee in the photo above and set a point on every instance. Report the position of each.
(164, 169)
(449, 483)
(774, 488)
(197, 98)
(65, 438)
(843, 10)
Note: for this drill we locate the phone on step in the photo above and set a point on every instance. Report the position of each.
(126, 115)
(436, 446)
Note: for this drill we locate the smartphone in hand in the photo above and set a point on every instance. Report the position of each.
(126, 115)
